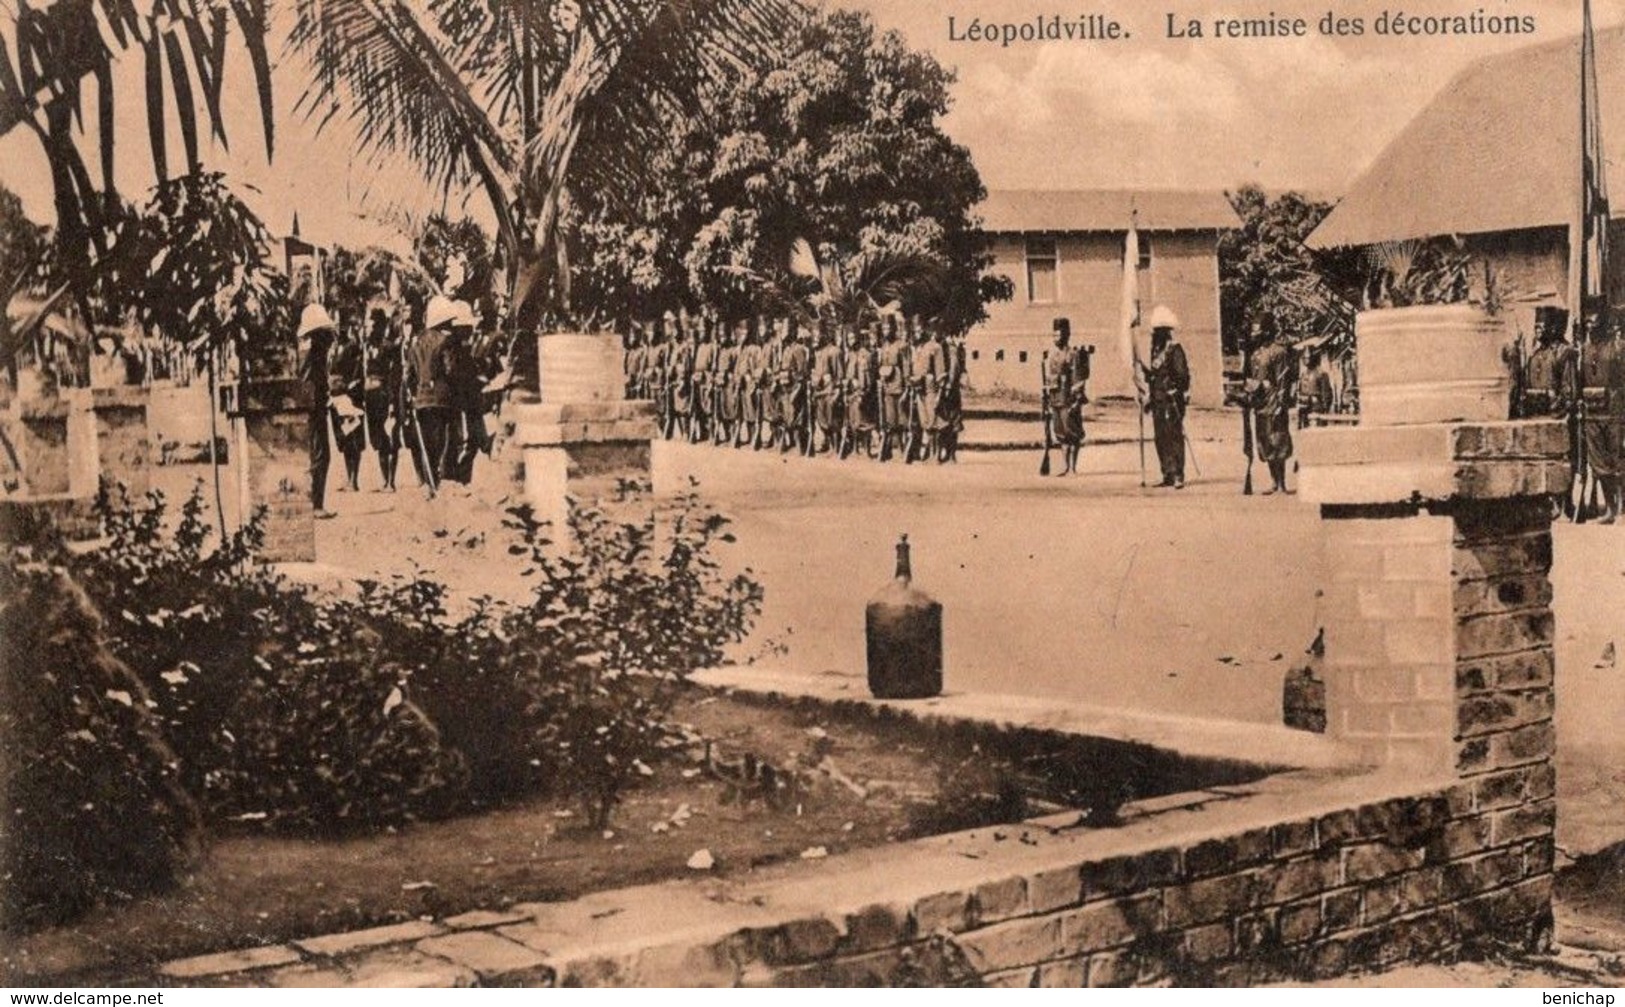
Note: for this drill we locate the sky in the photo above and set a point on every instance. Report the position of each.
(1146, 111)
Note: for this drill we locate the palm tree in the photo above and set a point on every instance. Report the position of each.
(525, 99)
(54, 54)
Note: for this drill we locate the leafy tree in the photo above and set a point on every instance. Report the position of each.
(838, 148)
(456, 255)
(355, 279)
(22, 245)
(1269, 277)
(66, 50)
(527, 101)
(198, 268)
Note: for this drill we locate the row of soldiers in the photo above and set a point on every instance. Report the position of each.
(1586, 387)
(882, 389)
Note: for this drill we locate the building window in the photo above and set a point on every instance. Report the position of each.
(976, 354)
(1145, 251)
(998, 356)
(1041, 260)
(1021, 357)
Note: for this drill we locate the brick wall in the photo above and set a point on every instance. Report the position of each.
(1367, 886)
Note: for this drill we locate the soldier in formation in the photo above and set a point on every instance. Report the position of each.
(755, 382)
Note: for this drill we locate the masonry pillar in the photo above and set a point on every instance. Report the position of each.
(583, 444)
(270, 448)
(123, 438)
(55, 440)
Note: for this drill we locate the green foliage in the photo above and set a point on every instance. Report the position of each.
(94, 807)
(611, 627)
(196, 267)
(456, 255)
(322, 715)
(833, 148)
(1269, 279)
(277, 711)
(22, 246)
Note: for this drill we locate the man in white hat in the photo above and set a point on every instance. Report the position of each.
(1167, 378)
(316, 325)
(428, 377)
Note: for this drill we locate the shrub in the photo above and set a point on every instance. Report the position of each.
(613, 625)
(277, 709)
(94, 809)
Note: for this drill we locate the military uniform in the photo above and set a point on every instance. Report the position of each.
(1064, 366)
(952, 407)
(858, 379)
(381, 398)
(1602, 376)
(826, 384)
(680, 382)
(1272, 374)
(704, 384)
(344, 408)
(1168, 384)
(726, 380)
(792, 374)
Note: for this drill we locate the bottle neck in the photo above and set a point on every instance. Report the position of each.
(905, 572)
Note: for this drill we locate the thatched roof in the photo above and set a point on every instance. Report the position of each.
(1017, 211)
(1496, 150)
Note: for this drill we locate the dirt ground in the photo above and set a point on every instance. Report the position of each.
(1088, 588)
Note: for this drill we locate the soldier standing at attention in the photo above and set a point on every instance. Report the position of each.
(826, 390)
(654, 369)
(633, 361)
(747, 379)
(953, 394)
(1063, 366)
(794, 373)
(1167, 377)
(1314, 388)
(858, 380)
(680, 376)
(344, 405)
(317, 325)
(892, 374)
(705, 362)
(1548, 379)
(1603, 385)
(928, 370)
(381, 396)
(429, 377)
(725, 421)
(1272, 375)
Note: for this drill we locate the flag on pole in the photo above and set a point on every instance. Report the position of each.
(1588, 239)
(1130, 309)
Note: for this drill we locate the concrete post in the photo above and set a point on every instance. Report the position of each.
(55, 439)
(270, 448)
(123, 436)
(583, 444)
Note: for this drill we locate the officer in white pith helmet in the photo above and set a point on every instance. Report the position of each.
(1167, 379)
(318, 327)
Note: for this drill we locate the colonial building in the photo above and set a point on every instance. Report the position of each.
(1064, 253)
(1494, 159)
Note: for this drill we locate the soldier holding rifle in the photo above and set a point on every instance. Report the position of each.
(1272, 375)
(892, 374)
(927, 370)
(826, 391)
(1064, 372)
(858, 377)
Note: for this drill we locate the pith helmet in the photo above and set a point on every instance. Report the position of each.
(313, 319)
(438, 312)
(1163, 318)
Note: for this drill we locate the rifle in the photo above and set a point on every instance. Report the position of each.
(1044, 408)
(1577, 429)
(417, 430)
(1139, 403)
(1248, 447)
(809, 428)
